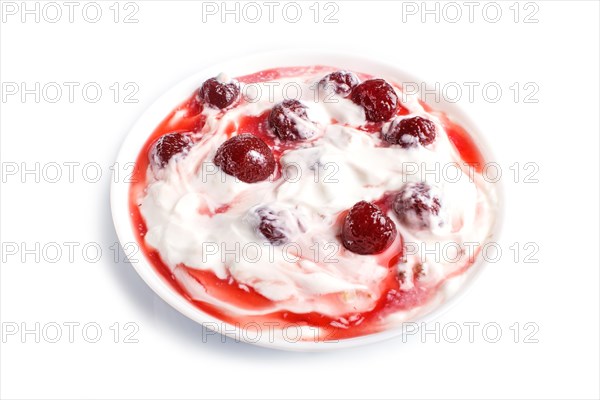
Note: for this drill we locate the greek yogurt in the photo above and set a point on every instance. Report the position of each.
(276, 250)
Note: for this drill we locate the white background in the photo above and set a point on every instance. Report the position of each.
(559, 133)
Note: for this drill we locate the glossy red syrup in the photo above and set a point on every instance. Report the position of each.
(187, 118)
(463, 142)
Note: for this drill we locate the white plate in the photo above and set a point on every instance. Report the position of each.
(238, 67)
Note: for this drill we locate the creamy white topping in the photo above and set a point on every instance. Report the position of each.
(337, 167)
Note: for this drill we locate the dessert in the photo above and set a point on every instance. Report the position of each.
(318, 210)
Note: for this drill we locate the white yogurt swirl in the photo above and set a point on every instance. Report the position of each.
(337, 167)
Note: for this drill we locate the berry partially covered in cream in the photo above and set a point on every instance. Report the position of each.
(339, 82)
(289, 121)
(219, 92)
(277, 225)
(410, 132)
(310, 210)
(169, 146)
(418, 206)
